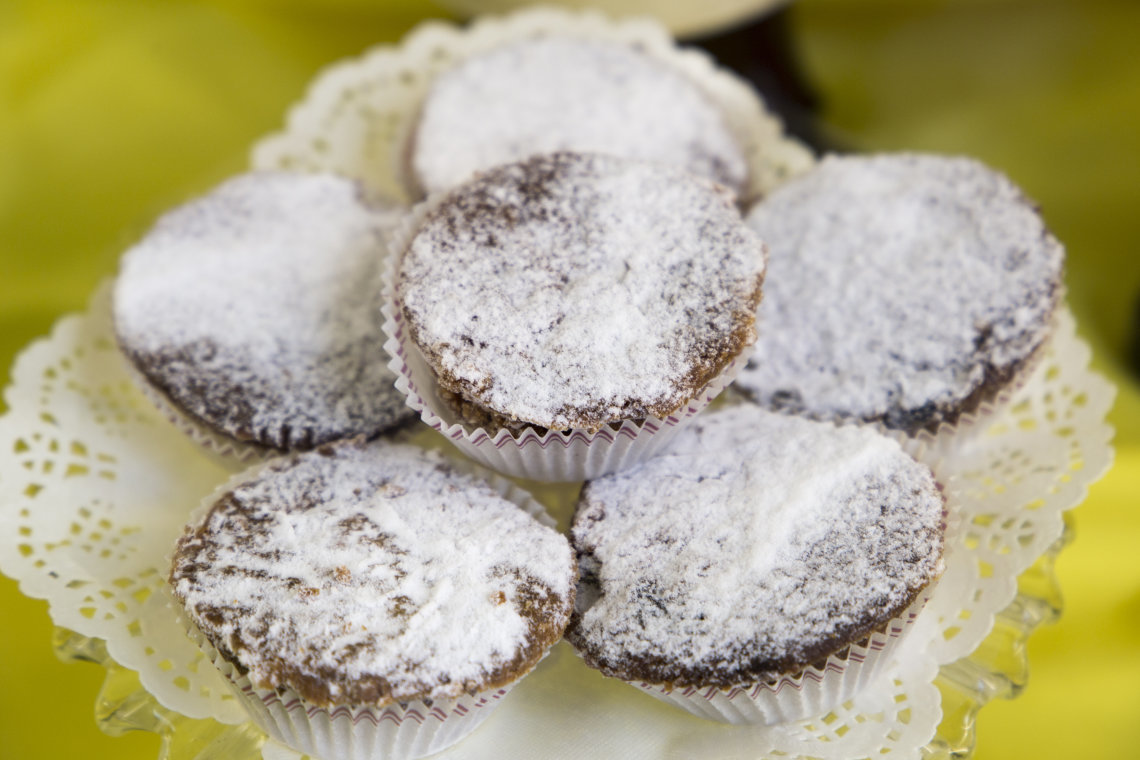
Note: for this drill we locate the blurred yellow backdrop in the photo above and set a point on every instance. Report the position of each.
(111, 112)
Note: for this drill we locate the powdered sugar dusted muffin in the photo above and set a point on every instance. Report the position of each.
(906, 289)
(560, 93)
(254, 311)
(577, 290)
(370, 575)
(758, 546)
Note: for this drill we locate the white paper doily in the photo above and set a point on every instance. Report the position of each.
(95, 487)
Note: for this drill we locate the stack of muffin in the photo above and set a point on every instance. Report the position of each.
(589, 266)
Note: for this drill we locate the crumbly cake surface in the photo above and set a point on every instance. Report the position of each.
(557, 93)
(757, 545)
(574, 290)
(374, 573)
(254, 309)
(905, 289)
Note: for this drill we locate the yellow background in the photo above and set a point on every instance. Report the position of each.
(111, 112)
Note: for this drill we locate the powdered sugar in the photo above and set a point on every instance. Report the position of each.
(255, 309)
(901, 284)
(374, 572)
(758, 544)
(554, 93)
(572, 290)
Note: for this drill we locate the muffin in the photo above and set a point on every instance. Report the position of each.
(760, 552)
(357, 591)
(576, 291)
(253, 313)
(908, 290)
(557, 93)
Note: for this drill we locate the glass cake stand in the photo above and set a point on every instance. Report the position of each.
(997, 669)
(98, 485)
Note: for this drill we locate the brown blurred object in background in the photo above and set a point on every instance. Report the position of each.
(764, 52)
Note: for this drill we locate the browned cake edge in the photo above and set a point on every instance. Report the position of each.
(469, 401)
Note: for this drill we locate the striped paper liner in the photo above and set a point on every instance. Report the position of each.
(396, 732)
(811, 692)
(401, 731)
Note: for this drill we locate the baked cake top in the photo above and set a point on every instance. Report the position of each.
(757, 545)
(556, 93)
(572, 290)
(255, 309)
(902, 288)
(374, 573)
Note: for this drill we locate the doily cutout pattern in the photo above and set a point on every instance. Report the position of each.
(95, 486)
(1035, 459)
(358, 115)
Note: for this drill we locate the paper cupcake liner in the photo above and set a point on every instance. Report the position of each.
(401, 731)
(359, 116)
(554, 456)
(811, 692)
